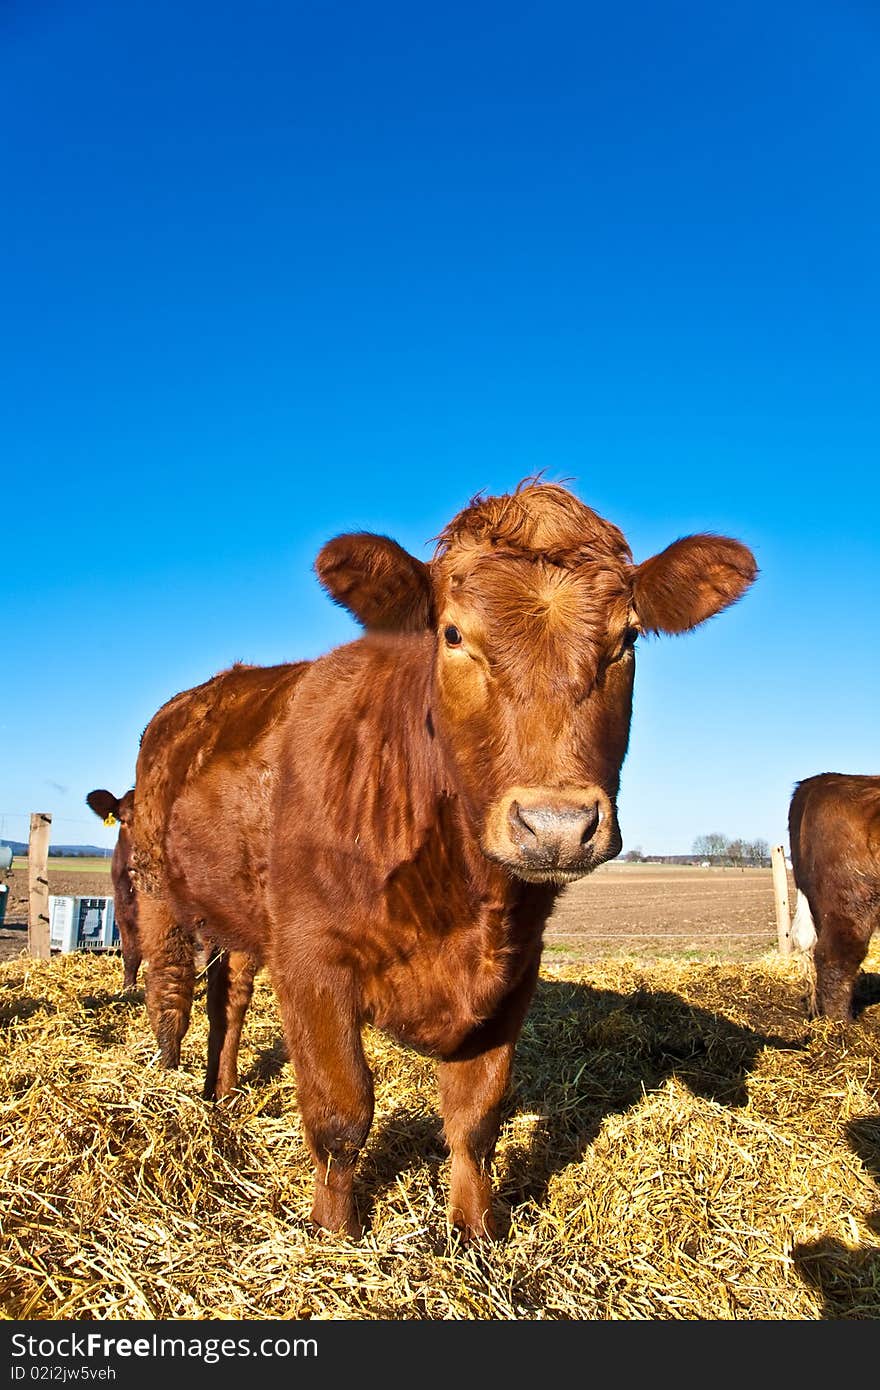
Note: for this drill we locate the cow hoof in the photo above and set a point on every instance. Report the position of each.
(218, 1092)
(482, 1232)
(353, 1229)
(333, 1214)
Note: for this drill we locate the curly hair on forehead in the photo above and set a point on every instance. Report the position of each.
(537, 520)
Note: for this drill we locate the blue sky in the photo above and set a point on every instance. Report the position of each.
(275, 271)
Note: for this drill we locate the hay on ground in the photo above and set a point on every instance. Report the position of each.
(681, 1143)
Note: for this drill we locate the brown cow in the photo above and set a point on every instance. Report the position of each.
(388, 827)
(834, 833)
(121, 809)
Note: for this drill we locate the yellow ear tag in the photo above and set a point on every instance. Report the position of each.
(110, 820)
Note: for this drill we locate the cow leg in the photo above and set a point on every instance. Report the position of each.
(473, 1083)
(131, 953)
(169, 949)
(334, 1090)
(230, 987)
(471, 1094)
(841, 946)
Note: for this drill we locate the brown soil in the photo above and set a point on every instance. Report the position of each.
(662, 910)
(642, 910)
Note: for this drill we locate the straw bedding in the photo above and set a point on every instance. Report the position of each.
(681, 1143)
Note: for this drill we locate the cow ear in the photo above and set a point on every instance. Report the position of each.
(690, 581)
(380, 583)
(103, 803)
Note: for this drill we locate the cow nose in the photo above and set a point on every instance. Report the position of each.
(556, 833)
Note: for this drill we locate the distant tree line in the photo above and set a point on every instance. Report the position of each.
(718, 849)
(739, 854)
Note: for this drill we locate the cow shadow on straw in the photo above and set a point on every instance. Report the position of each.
(405, 1140)
(19, 1008)
(269, 1062)
(107, 1013)
(848, 1279)
(585, 1054)
(866, 993)
(864, 1137)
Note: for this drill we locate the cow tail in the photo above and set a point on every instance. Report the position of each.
(803, 928)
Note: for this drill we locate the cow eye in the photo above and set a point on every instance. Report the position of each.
(627, 644)
(453, 636)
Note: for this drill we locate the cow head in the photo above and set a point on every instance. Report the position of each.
(535, 605)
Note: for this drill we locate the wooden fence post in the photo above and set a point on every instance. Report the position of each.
(38, 886)
(780, 895)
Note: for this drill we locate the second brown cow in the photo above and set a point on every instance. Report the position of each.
(834, 832)
(229, 975)
(388, 827)
(120, 810)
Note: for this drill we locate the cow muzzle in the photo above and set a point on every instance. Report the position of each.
(550, 836)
